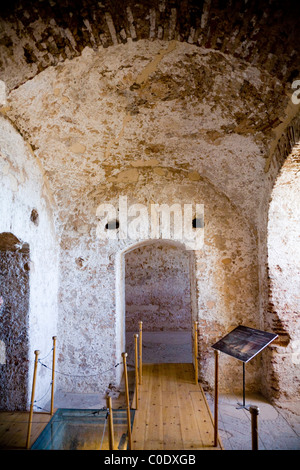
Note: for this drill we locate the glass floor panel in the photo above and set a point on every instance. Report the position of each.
(71, 429)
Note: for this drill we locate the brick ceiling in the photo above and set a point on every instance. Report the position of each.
(264, 33)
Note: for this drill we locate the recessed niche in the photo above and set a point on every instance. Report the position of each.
(27, 266)
(34, 217)
(198, 222)
(79, 262)
(14, 295)
(112, 225)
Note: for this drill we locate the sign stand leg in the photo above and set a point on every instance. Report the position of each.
(243, 405)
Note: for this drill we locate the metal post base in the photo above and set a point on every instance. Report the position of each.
(242, 406)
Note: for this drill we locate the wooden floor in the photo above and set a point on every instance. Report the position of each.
(172, 411)
(172, 414)
(14, 427)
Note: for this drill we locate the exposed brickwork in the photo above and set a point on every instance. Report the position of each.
(282, 314)
(45, 33)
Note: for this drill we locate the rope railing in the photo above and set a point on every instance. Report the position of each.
(137, 366)
(33, 402)
(109, 416)
(79, 376)
(138, 378)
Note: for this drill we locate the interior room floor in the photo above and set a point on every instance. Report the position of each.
(278, 427)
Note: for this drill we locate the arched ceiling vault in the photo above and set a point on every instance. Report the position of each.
(41, 33)
(196, 87)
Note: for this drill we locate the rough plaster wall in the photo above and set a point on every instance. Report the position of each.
(92, 322)
(157, 286)
(109, 117)
(173, 104)
(285, 141)
(153, 121)
(284, 278)
(24, 188)
(14, 290)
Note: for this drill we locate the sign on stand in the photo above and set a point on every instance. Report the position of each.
(244, 343)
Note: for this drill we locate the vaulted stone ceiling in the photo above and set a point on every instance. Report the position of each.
(198, 87)
(45, 32)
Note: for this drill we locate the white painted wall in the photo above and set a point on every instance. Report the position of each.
(23, 186)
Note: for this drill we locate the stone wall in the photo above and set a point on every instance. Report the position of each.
(28, 282)
(284, 276)
(157, 288)
(163, 105)
(92, 288)
(14, 291)
(36, 35)
(278, 322)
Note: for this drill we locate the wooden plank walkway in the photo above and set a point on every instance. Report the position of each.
(173, 412)
(14, 427)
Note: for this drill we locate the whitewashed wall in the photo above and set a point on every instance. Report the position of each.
(23, 187)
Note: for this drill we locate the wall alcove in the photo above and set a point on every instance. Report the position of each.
(14, 319)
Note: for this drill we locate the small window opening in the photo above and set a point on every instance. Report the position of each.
(198, 222)
(112, 225)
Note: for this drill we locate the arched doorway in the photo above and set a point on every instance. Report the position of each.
(158, 293)
(284, 280)
(14, 319)
(163, 325)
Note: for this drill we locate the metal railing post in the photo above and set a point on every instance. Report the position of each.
(140, 352)
(136, 371)
(53, 375)
(216, 404)
(32, 399)
(254, 410)
(196, 351)
(124, 355)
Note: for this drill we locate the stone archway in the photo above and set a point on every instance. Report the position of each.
(284, 275)
(121, 285)
(14, 309)
(158, 292)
